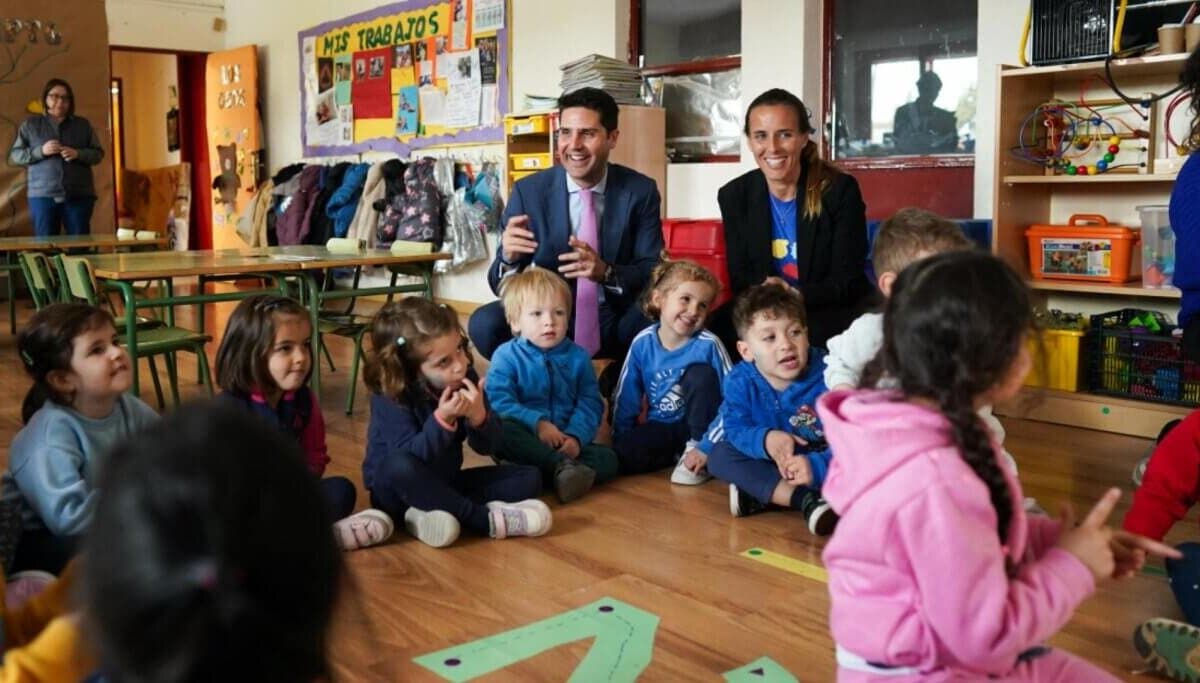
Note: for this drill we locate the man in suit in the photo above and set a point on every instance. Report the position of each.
(547, 223)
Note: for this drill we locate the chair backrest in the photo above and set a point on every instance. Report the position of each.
(39, 276)
(76, 272)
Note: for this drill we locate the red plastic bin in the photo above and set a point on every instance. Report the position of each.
(701, 240)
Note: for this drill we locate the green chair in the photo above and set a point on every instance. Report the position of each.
(163, 340)
(40, 278)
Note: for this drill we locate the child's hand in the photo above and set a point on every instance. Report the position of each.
(1089, 541)
(570, 447)
(549, 434)
(781, 445)
(475, 409)
(797, 470)
(448, 407)
(694, 460)
(1131, 550)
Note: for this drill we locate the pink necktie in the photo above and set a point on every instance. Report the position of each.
(587, 292)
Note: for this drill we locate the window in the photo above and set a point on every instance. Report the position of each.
(689, 51)
(902, 78)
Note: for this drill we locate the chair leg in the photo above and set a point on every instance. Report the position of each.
(354, 371)
(173, 377)
(328, 356)
(158, 392)
(203, 369)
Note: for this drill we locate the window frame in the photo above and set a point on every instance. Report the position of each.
(711, 65)
(894, 162)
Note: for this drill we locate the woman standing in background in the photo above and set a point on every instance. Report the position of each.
(59, 149)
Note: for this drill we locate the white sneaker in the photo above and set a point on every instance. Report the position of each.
(530, 517)
(363, 529)
(436, 528)
(685, 477)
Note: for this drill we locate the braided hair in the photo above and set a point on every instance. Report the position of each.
(953, 329)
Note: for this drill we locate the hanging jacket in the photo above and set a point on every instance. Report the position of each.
(291, 227)
(252, 226)
(320, 225)
(416, 214)
(917, 573)
(366, 216)
(344, 200)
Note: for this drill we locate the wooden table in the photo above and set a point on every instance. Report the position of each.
(12, 246)
(302, 262)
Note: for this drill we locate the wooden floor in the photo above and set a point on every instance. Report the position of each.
(671, 551)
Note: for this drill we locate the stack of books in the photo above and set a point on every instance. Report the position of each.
(620, 79)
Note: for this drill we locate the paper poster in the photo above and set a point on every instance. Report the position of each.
(460, 33)
(402, 77)
(488, 15)
(441, 57)
(324, 74)
(487, 59)
(464, 94)
(406, 110)
(433, 103)
(372, 91)
(346, 124)
(343, 76)
(402, 55)
(425, 75)
(489, 115)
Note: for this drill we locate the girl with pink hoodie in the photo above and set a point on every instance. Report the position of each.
(935, 571)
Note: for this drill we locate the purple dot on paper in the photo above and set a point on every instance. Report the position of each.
(606, 608)
(453, 661)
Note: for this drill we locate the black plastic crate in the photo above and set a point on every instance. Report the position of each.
(1140, 364)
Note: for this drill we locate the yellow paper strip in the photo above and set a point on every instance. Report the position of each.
(787, 564)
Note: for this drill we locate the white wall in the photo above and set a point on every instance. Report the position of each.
(146, 78)
(163, 25)
(1000, 25)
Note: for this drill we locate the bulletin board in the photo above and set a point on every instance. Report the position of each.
(405, 76)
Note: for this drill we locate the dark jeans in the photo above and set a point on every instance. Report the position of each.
(404, 480)
(339, 496)
(40, 549)
(50, 216)
(752, 475)
(522, 446)
(488, 329)
(1184, 575)
(654, 445)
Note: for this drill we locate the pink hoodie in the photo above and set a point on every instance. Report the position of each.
(917, 574)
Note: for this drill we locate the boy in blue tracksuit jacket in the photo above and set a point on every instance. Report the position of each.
(767, 441)
(543, 387)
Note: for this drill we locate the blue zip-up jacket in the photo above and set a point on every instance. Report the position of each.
(1184, 212)
(652, 371)
(344, 201)
(528, 384)
(55, 459)
(752, 407)
(409, 429)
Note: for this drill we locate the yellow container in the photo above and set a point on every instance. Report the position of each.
(1059, 369)
(514, 176)
(527, 125)
(530, 162)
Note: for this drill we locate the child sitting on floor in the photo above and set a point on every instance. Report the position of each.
(263, 363)
(936, 573)
(677, 367)
(771, 448)
(75, 411)
(426, 401)
(542, 385)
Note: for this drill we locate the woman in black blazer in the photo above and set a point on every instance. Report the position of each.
(796, 220)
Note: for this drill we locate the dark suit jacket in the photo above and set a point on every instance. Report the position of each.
(631, 237)
(831, 250)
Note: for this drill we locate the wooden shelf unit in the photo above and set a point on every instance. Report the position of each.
(641, 146)
(1026, 195)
